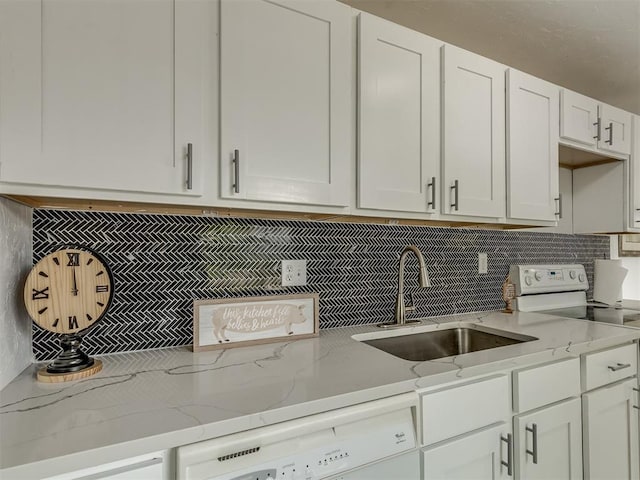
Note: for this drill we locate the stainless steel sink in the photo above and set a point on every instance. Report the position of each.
(442, 343)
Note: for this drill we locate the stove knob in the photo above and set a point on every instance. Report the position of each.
(572, 274)
(527, 280)
(581, 277)
(538, 276)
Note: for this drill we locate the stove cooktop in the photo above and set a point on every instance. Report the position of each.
(616, 316)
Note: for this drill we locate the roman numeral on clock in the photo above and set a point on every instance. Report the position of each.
(102, 288)
(73, 322)
(40, 294)
(74, 259)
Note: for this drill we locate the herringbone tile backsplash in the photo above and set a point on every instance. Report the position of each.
(161, 263)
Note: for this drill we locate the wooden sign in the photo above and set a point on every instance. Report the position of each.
(237, 322)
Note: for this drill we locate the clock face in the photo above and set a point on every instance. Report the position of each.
(68, 290)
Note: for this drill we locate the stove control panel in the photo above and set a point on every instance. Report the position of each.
(532, 279)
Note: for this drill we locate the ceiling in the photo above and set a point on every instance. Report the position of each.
(590, 46)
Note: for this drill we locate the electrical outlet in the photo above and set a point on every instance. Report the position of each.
(294, 272)
(483, 263)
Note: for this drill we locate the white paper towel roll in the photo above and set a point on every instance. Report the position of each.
(607, 283)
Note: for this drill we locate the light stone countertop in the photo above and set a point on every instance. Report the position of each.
(153, 400)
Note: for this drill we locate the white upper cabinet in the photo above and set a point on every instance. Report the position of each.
(589, 124)
(579, 118)
(565, 207)
(473, 134)
(286, 101)
(102, 94)
(615, 134)
(635, 175)
(532, 148)
(399, 118)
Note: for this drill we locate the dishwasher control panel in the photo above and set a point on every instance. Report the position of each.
(311, 448)
(532, 279)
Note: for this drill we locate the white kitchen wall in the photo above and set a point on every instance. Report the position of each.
(631, 285)
(15, 261)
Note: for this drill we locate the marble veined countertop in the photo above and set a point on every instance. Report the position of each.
(148, 401)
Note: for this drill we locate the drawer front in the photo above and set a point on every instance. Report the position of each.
(608, 366)
(542, 385)
(463, 408)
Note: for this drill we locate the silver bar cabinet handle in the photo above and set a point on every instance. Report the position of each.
(636, 390)
(455, 189)
(559, 200)
(509, 462)
(534, 448)
(598, 125)
(619, 366)
(610, 128)
(189, 166)
(432, 185)
(236, 171)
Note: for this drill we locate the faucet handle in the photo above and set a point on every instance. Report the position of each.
(412, 307)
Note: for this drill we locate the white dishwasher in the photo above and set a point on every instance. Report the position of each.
(373, 440)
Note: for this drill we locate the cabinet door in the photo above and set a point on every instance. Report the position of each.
(548, 442)
(611, 448)
(474, 129)
(477, 456)
(285, 101)
(89, 99)
(578, 118)
(616, 130)
(532, 148)
(399, 117)
(565, 219)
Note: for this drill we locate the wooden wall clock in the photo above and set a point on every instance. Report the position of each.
(68, 292)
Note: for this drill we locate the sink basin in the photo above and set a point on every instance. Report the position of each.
(447, 342)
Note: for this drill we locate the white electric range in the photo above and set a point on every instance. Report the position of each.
(561, 290)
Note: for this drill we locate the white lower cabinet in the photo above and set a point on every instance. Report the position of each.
(610, 415)
(548, 442)
(466, 430)
(467, 426)
(547, 430)
(486, 454)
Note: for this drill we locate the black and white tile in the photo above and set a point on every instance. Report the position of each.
(161, 263)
